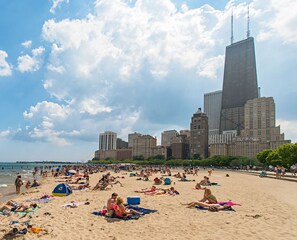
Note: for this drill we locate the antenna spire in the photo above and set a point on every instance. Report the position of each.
(248, 23)
(232, 27)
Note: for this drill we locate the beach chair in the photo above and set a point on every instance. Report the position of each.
(167, 181)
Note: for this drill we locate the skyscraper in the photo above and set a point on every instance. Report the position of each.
(107, 140)
(166, 137)
(199, 135)
(212, 109)
(239, 84)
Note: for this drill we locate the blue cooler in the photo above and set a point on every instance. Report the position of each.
(133, 200)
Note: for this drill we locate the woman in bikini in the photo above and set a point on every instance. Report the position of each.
(208, 198)
(121, 211)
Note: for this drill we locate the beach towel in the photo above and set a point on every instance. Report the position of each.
(144, 211)
(30, 210)
(42, 200)
(229, 203)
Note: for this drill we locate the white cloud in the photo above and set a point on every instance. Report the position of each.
(136, 67)
(5, 68)
(49, 109)
(278, 19)
(92, 107)
(5, 133)
(32, 63)
(27, 44)
(289, 127)
(210, 67)
(55, 4)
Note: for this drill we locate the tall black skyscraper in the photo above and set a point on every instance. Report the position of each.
(239, 84)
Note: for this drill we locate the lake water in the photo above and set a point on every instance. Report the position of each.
(9, 172)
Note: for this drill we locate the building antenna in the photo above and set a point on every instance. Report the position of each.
(248, 23)
(232, 27)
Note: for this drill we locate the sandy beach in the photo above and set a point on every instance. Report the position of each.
(268, 211)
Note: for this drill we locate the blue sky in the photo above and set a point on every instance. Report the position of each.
(70, 69)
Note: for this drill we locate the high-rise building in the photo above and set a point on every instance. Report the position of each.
(131, 138)
(107, 140)
(259, 120)
(143, 146)
(212, 109)
(239, 84)
(167, 136)
(199, 135)
(180, 148)
(259, 131)
(121, 144)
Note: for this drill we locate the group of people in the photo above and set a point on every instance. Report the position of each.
(116, 207)
(12, 206)
(158, 191)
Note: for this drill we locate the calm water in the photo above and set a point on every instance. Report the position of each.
(9, 172)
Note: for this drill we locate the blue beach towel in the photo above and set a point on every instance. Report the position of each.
(131, 217)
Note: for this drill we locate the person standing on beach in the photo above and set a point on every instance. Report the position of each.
(18, 183)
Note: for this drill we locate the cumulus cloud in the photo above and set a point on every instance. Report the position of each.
(5, 68)
(137, 66)
(279, 20)
(27, 63)
(27, 44)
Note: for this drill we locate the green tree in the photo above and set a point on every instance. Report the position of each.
(196, 156)
(262, 156)
(273, 158)
(288, 154)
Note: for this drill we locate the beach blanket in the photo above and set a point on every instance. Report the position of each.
(229, 203)
(227, 209)
(30, 210)
(144, 211)
(40, 200)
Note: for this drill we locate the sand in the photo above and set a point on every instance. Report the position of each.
(268, 211)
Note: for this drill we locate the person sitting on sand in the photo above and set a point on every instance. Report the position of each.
(198, 187)
(205, 181)
(122, 211)
(28, 184)
(110, 204)
(172, 191)
(208, 196)
(35, 183)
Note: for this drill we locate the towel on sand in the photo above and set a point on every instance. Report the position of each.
(131, 217)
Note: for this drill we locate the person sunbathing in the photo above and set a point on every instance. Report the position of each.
(205, 181)
(198, 187)
(207, 197)
(157, 192)
(15, 207)
(80, 187)
(147, 190)
(213, 207)
(122, 211)
(172, 191)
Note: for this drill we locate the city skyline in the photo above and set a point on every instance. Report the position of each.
(70, 70)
